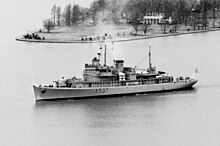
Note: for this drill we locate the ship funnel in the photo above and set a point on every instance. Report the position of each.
(95, 61)
(120, 65)
(99, 55)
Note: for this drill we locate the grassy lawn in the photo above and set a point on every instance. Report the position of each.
(76, 33)
(121, 32)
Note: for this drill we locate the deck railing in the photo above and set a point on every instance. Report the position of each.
(84, 84)
(123, 83)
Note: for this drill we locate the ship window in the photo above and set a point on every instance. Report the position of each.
(90, 69)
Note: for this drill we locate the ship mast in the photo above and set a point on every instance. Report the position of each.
(105, 56)
(99, 54)
(150, 64)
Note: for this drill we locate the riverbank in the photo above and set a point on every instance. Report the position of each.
(95, 34)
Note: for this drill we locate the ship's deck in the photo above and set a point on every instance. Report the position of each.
(86, 84)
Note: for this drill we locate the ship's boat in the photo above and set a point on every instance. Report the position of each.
(104, 81)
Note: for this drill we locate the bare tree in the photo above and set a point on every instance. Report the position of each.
(67, 14)
(214, 8)
(167, 9)
(179, 7)
(58, 15)
(204, 8)
(84, 12)
(53, 12)
(102, 5)
(48, 25)
(135, 22)
(94, 8)
(114, 8)
(75, 14)
(164, 25)
(145, 28)
(133, 10)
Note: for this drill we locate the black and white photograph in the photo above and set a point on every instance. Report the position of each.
(110, 73)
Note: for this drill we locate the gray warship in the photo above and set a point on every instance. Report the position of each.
(117, 80)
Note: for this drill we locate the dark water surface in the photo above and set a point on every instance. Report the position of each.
(189, 117)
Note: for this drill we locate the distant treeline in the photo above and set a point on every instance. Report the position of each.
(117, 11)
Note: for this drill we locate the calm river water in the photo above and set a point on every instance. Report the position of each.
(189, 117)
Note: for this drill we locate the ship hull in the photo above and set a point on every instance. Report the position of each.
(52, 93)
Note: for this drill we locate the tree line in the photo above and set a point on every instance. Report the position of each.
(74, 14)
(187, 12)
(194, 12)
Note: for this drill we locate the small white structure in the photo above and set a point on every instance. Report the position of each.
(153, 18)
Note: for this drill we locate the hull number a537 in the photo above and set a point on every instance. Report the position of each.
(101, 90)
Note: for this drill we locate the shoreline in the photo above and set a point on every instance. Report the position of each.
(21, 38)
